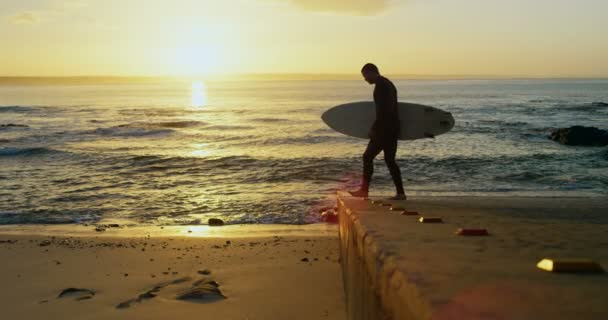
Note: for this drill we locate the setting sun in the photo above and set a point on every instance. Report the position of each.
(195, 60)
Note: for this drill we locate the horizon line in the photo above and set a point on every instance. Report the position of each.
(301, 76)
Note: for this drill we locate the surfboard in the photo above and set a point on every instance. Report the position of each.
(417, 121)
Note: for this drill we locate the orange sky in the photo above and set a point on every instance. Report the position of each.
(200, 37)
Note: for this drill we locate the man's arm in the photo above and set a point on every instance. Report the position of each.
(384, 99)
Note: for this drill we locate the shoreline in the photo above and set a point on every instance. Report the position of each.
(196, 231)
(131, 228)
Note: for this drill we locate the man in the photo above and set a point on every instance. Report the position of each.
(383, 133)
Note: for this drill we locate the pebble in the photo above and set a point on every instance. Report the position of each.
(205, 272)
(44, 243)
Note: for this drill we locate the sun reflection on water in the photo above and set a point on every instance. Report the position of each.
(200, 150)
(199, 94)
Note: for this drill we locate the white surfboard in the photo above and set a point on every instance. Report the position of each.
(417, 121)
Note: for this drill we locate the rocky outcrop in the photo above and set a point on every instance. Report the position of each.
(580, 136)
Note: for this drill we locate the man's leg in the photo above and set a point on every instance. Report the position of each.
(373, 149)
(390, 150)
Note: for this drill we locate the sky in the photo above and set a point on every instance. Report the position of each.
(538, 38)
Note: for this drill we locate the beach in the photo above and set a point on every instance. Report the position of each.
(274, 272)
(307, 272)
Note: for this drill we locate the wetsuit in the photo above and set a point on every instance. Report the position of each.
(383, 134)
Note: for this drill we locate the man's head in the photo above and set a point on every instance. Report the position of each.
(370, 73)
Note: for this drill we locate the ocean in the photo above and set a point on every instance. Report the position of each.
(168, 152)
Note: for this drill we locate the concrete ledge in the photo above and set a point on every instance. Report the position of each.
(397, 268)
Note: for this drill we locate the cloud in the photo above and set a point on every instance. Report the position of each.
(353, 7)
(26, 17)
(50, 12)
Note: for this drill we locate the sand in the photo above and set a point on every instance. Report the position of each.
(271, 272)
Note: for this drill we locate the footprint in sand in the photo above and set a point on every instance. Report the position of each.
(201, 291)
(77, 294)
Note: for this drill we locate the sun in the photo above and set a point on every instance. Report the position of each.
(197, 59)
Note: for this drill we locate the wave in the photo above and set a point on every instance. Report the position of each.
(9, 126)
(271, 120)
(16, 109)
(305, 140)
(504, 123)
(139, 129)
(13, 151)
(41, 216)
(177, 124)
(249, 169)
(592, 107)
(230, 127)
(525, 176)
(126, 131)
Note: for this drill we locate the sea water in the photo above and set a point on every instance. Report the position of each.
(177, 152)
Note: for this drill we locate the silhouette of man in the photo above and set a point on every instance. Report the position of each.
(383, 134)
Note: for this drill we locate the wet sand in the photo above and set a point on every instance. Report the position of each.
(274, 272)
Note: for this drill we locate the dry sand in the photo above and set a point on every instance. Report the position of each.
(274, 272)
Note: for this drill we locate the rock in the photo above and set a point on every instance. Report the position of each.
(304, 260)
(580, 136)
(215, 222)
(100, 228)
(599, 104)
(44, 243)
